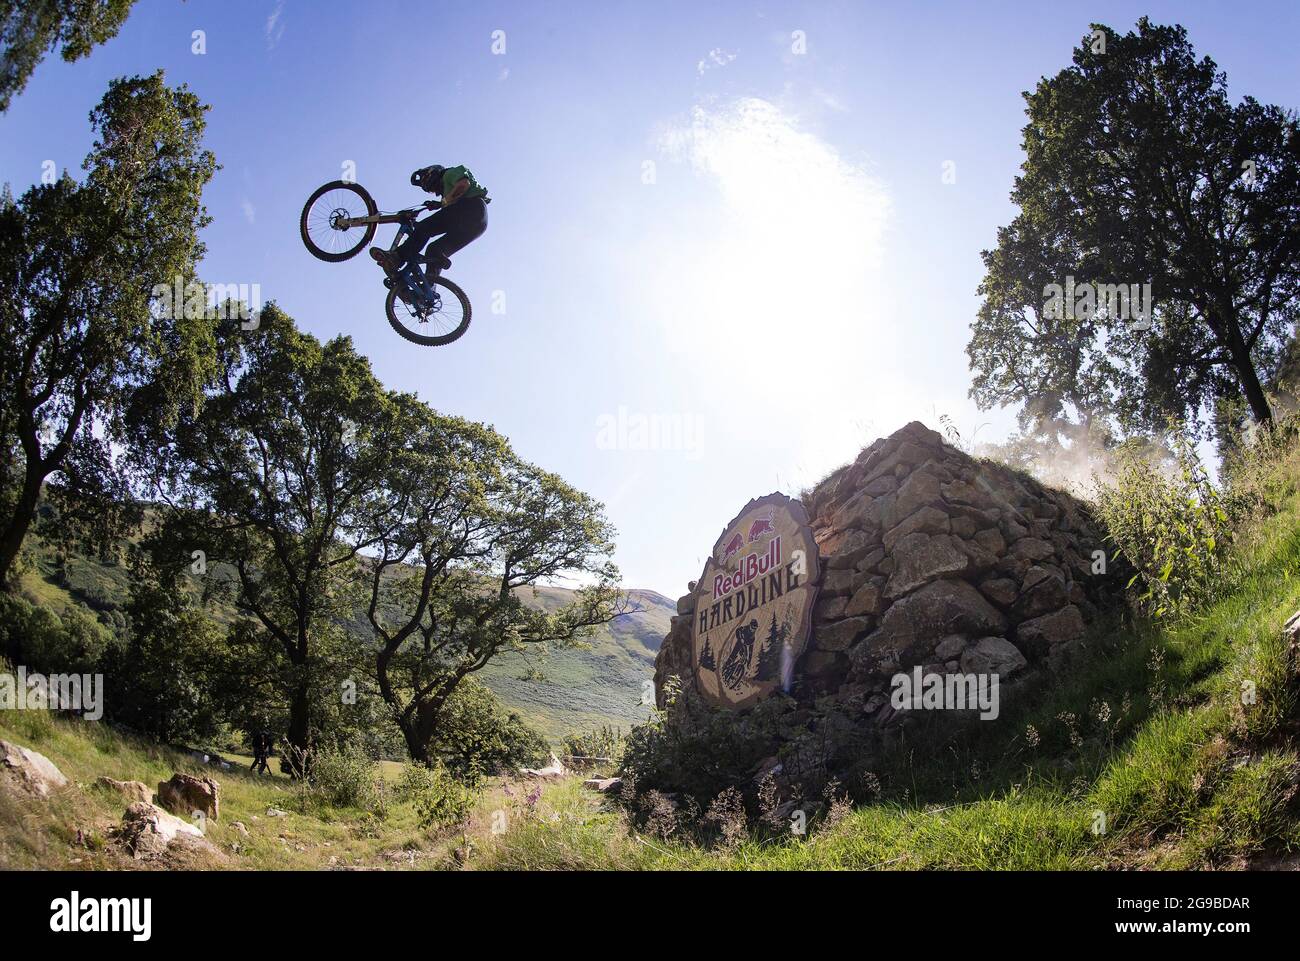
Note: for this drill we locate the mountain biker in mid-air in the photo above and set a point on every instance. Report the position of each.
(461, 217)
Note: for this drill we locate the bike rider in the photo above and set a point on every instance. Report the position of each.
(461, 218)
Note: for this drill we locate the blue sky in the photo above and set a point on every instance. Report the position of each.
(720, 233)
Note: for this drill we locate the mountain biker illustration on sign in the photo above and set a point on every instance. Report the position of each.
(340, 218)
(461, 218)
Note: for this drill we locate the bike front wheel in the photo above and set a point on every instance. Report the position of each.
(329, 206)
(446, 320)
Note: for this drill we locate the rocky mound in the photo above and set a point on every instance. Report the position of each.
(932, 558)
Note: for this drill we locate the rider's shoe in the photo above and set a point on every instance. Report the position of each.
(386, 259)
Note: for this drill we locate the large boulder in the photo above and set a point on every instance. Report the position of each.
(148, 832)
(34, 773)
(132, 791)
(187, 795)
(914, 625)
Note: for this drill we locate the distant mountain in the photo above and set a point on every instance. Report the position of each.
(558, 691)
(572, 690)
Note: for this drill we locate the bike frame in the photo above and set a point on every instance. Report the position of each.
(418, 282)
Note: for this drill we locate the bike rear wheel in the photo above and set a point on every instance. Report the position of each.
(434, 327)
(321, 214)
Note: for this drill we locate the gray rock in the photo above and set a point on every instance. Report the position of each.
(1040, 592)
(34, 772)
(940, 608)
(992, 655)
(1040, 633)
(865, 600)
(964, 527)
(869, 562)
(1000, 590)
(991, 540)
(840, 635)
(131, 790)
(851, 548)
(829, 609)
(928, 520)
(1032, 549)
(950, 646)
(922, 558)
(919, 490)
(148, 832)
(836, 583)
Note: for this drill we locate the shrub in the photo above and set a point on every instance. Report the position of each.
(1173, 526)
(344, 777)
(601, 742)
(1262, 468)
(476, 736)
(693, 749)
(440, 801)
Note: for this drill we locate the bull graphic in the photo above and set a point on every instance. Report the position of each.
(761, 526)
(736, 665)
(733, 547)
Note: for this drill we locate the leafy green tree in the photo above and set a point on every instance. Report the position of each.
(174, 675)
(86, 363)
(268, 480)
(29, 29)
(464, 528)
(1139, 169)
(476, 736)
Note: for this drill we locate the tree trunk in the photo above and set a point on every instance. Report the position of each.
(1255, 394)
(24, 512)
(416, 746)
(1246, 374)
(299, 760)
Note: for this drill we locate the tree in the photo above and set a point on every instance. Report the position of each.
(173, 677)
(268, 480)
(476, 737)
(86, 364)
(464, 529)
(1138, 169)
(29, 29)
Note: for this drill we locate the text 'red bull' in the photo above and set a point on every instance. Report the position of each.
(751, 566)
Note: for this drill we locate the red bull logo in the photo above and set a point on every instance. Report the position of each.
(751, 567)
(733, 547)
(761, 526)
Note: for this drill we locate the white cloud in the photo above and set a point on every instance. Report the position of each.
(274, 26)
(250, 212)
(717, 57)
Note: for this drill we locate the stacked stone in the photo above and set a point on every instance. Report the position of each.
(932, 558)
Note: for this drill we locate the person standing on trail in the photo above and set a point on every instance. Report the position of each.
(261, 751)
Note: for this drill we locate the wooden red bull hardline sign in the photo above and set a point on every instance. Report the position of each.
(753, 604)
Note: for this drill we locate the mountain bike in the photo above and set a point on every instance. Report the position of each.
(341, 218)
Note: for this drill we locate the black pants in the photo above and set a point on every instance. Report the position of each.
(459, 224)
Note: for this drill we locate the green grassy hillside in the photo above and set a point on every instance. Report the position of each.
(557, 691)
